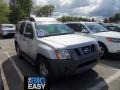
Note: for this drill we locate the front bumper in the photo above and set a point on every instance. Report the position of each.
(5, 33)
(113, 47)
(71, 67)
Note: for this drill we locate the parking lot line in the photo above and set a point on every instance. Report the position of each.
(5, 84)
(107, 80)
(109, 67)
(16, 68)
(113, 77)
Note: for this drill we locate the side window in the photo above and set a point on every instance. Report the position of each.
(74, 27)
(113, 28)
(83, 28)
(29, 31)
(22, 26)
(110, 28)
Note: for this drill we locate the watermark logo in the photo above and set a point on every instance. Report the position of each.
(36, 83)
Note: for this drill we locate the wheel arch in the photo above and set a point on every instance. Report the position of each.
(38, 56)
(99, 42)
(16, 43)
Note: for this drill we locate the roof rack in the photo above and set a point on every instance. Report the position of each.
(34, 19)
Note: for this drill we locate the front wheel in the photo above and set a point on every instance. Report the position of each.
(1, 36)
(43, 67)
(103, 50)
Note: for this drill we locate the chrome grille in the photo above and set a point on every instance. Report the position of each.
(81, 52)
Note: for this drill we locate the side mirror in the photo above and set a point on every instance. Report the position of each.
(85, 31)
(28, 35)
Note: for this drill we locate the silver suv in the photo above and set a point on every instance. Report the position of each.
(55, 48)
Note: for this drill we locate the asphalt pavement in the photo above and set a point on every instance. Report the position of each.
(104, 76)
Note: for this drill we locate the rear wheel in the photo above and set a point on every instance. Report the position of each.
(19, 54)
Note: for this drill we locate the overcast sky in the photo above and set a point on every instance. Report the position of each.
(94, 8)
(89, 8)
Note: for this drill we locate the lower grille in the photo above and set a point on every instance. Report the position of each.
(87, 63)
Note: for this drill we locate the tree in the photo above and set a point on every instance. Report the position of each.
(20, 10)
(115, 18)
(93, 19)
(44, 10)
(4, 11)
(111, 20)
(71, 18)
(105, 20)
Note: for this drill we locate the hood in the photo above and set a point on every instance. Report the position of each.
(68, 41)
(108, 34)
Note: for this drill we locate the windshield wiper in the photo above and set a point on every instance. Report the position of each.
(58, 34)
(103, 31)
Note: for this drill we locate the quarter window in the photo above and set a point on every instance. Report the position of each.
(22, 26)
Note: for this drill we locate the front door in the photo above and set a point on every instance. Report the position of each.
(30, 41)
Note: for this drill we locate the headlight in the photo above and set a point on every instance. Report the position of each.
(4, 32)
(62, 54)
(115, 40)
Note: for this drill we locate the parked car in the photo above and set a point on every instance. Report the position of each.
(113, 27)
(54, 48)
(109, 41)
(7, 29)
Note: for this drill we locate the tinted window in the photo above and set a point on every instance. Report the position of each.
(81, 27)
(76, 27)
(22, 26)
(29, 31)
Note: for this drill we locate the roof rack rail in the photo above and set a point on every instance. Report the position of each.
(35, 19)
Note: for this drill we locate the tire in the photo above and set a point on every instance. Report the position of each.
(18, 51)
(43, 67)
(103, 50)
(1, 36)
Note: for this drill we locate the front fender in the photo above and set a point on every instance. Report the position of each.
(46, 51)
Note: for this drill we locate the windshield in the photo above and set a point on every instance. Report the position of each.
(51, 29)
(96, 28)
(7, 26)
